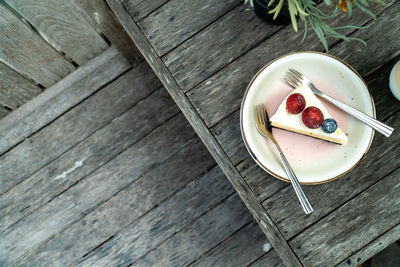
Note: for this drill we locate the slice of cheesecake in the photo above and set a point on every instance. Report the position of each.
(325, 127)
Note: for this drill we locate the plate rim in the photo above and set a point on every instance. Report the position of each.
(241, 117)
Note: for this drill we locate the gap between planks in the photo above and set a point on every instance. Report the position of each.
(85, 140)
(353, 197)
(198, 31)
(12, 135)
(247, 195)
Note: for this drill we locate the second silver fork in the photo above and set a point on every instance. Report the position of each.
(264, 127)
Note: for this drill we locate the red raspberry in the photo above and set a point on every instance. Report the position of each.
(295, 103)
(312, 117)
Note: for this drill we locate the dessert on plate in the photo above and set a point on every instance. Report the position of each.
(302, 112)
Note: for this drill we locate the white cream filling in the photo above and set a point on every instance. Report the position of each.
(293, 122)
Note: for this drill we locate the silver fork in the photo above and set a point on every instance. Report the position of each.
(264, 127)
(295, 78)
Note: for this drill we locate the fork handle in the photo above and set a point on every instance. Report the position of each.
(295, 183)
(371, 122)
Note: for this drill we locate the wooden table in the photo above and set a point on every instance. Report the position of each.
(205, 53)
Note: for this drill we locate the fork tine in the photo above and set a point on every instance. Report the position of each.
(265, 115)
(295, 77)
(259, 115)
(256, 114)
(290, 77)
(290, 82)
(298, 74)
(260, 118)
(262, 114)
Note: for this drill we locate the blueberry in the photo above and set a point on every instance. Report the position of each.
(329, 125)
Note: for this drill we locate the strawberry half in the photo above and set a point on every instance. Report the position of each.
(312, 117)
(295, 103)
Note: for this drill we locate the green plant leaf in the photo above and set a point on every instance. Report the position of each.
(366, 10)
(363, 2)
(293, 13)
(349, 7)
(277, 9)
(318, 31)
(300, 10)
(305, 27)
(271, 2)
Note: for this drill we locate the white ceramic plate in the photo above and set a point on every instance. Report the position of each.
(314, 161)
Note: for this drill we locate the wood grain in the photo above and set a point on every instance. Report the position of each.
(349, 228)
(74, 126)
(97, 149)
(216, 46)
(372, 248)
(61, 97)
(361, 177)
(25, 52)
(221, 94)
(54, 217)
(263, 184)
(141, 8)
(240, 249)
(197, 237)
(109, 25)
(61, 25)
(330, 196)
(150, 190)
(151, 230)
(3, 112)
(228, 134)
(205, 135)
(179, 20)
(367, 59)
(271, 259)
(15, 89)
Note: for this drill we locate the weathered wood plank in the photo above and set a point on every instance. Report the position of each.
(179, 20)
(262, 184)
(367, 59)
(228, 134)
(169, 217)
(54, 217)
(108, 24)
(205, 135)
(151, 189)
(240, 249)
(221, 94)
(349, 228)
(97, 149)
(328, 197)
(216, 46)
(372, 248)
(197, 237)
(271, 259)
(3, 112)
(74, 126)
(141, 8)
(61, 25)
(56, 100)
(24, 51)
(15, 90)
(385, 104)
